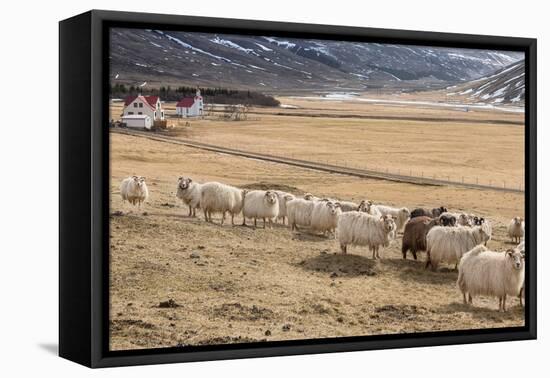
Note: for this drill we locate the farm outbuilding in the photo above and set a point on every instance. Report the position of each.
(190, 106)
(138, 121)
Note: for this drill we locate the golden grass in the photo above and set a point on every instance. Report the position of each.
(255, 284)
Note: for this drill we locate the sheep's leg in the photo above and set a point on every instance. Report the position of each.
(205, 215)
(504, 303)
(270, 223)
(470, 299)
(344, 248)
(464, 298)
(414, 254)
(264, 222)
(254, 222)
(244, 221)
(373, 254)
(284, 220)
(232, 219)
(520, 297)
(190, 211)
(223, 218)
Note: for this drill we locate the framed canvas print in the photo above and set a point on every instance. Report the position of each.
(234, 188)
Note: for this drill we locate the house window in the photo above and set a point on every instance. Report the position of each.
(158, 105)
(141, 104)
(162, 114)
(135, 105)
(155, 115)
(140, 113)
(130, 113)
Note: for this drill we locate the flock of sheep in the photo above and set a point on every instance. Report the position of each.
(458, 239)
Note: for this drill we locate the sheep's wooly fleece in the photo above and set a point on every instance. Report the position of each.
(401, 215)
(359, 228)
(324, 216)
(450, 243)
(261, 204)
(282, 197)
(299, 211)
(218, 198)
(484, 272)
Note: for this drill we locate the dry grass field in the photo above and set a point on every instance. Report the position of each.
(445, 143)
(176, 280)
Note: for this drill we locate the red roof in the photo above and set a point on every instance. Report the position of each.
(151, 100)
(186, 102)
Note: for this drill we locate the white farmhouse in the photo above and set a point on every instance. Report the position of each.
(190, 106)
(144, 105)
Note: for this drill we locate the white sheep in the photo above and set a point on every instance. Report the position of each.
(260, 204)
(448, 244)
(324, 216)
(310, 197)
(283, 198)
(369, 208)
(359, 228)
(497, 274)
(516, 229)
(401, 215)
(190, 193)
(346, 206)
(299, 212)
(134, 190)
(221, 198)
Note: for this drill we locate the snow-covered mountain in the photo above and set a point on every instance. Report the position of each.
(507, 85)
(276, 64)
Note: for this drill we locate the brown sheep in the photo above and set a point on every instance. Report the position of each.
(414, 236)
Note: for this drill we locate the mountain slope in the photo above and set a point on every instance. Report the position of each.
(275, 64)
(504, 86)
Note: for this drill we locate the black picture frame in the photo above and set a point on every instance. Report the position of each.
(84, 193)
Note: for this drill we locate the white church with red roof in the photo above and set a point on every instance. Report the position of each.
(190, 106)
(144, 105)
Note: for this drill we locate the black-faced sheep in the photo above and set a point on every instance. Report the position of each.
(134, 190)
(497, 274)
(447, 220)
(190, 193)
(359, 228)
(433, 213)
(414, 236)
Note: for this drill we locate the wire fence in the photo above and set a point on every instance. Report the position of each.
(334, 165)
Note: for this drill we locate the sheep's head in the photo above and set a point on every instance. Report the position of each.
(365, 206)
(515, 258)
(478, 221)
(138, 180)
(483, 234)
(517, 221)
(464, 220)
(309, 196)
(447, 220)
(405, 212)
(389, 223)
(184, 182)
(288, 197)
(334, 208)
(271, 197)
